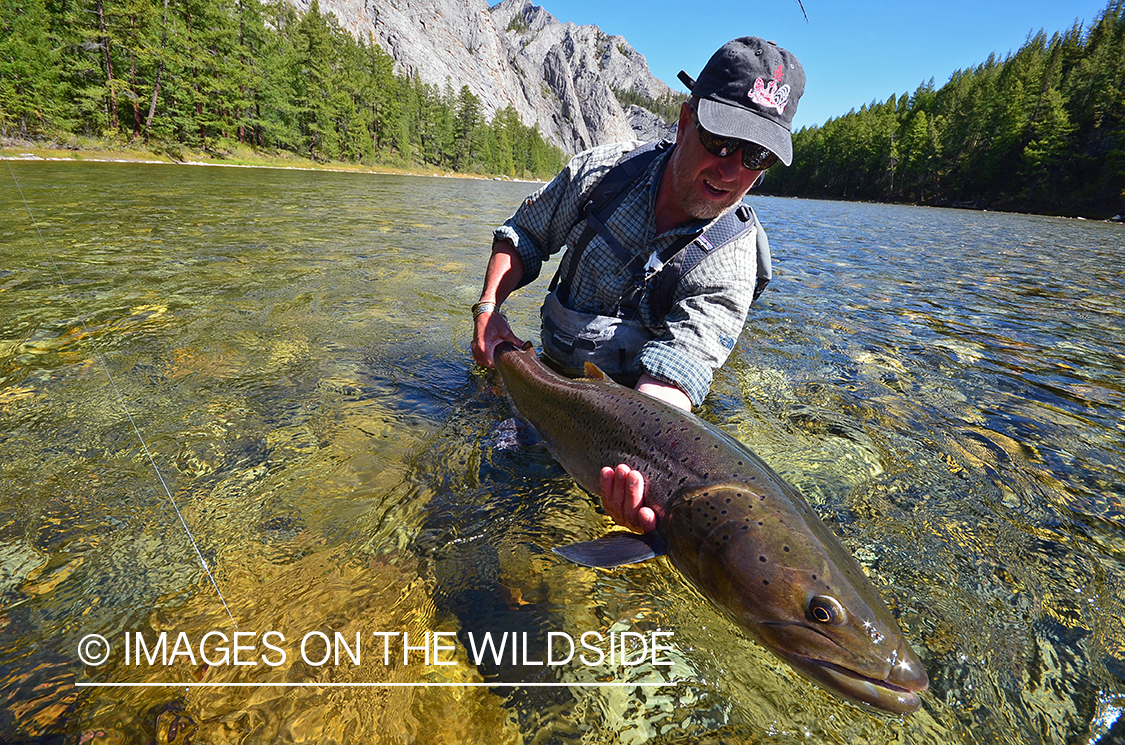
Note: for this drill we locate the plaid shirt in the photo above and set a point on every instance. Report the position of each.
(710, 303)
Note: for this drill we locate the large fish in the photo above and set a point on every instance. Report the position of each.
(743, 536)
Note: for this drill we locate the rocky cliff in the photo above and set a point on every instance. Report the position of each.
(558, 75)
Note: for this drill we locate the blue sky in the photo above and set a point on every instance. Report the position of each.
(852, 52)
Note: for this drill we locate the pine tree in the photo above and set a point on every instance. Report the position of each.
(30, 85)
(213, 74)
(466, 132)
(315, 84)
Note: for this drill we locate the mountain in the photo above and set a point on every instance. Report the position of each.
(558, 75)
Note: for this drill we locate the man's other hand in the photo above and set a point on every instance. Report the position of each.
(623, 493)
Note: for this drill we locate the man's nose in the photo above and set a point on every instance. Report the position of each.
(731, 166)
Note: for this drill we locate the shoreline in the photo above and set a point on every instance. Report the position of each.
(16, 150)
(31, 152)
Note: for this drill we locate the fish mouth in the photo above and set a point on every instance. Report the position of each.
(875, 692)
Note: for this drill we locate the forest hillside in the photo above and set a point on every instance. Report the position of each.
(1041, 130)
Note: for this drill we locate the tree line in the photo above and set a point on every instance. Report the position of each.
(1042, 130)
(667, 107)
(222, 75)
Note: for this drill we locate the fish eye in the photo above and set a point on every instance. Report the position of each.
(827, 609)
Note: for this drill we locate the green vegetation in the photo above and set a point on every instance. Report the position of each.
(1042, 130)
(227, 76)
(666, 107)
(518, 24)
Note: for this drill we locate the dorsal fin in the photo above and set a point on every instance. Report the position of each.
(593, 372)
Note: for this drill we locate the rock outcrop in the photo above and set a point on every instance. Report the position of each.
(560, 76)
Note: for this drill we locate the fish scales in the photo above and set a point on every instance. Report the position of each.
(735, 529)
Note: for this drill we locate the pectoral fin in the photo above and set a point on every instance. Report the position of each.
(614, 550)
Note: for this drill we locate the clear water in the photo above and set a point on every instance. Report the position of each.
(945, 387)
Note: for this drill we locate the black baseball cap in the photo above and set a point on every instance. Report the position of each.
(749, 90)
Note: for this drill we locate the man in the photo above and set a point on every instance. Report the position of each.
(662, 259)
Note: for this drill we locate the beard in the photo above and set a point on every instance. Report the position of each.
(686, 188)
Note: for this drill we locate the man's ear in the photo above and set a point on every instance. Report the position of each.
(684, 122)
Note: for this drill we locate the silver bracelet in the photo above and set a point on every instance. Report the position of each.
(483, 307)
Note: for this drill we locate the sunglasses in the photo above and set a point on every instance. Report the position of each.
(754, 156)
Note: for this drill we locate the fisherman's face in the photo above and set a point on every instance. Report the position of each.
(705, 185)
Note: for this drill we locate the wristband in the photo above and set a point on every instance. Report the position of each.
(483, 307)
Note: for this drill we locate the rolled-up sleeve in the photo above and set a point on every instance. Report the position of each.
(525, 246)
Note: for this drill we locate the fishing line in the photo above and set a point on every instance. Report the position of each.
(121, 399)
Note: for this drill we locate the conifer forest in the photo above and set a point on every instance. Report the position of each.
(214, 75)
(1039, 130)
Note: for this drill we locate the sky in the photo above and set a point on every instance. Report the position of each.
(853, 51)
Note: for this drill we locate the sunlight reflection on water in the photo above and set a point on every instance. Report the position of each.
(943, 386)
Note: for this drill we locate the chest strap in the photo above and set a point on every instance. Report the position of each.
(607, 197)
(673, 262)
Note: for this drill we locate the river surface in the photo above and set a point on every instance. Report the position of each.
(947, 389)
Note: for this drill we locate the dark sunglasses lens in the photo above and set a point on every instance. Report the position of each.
(754, 157)
(757, 158)
(720, 147)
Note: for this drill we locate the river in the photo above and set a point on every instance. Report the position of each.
(945, 387)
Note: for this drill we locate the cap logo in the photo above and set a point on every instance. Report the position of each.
(769, 94)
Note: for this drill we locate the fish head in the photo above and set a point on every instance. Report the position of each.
(843, 639)
(781, 574)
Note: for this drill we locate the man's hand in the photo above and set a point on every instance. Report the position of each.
(623, 493)
(489, 329)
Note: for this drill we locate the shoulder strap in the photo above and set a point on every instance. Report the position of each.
(604, 199)
(765, 261)
(732, 225)
(611, 190)
(677, 262)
